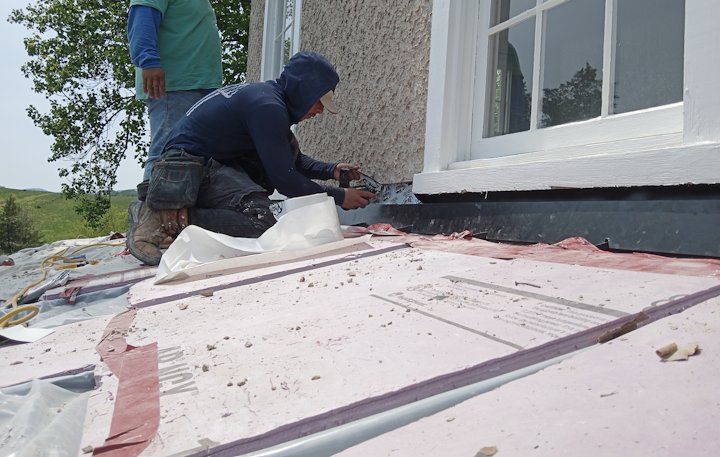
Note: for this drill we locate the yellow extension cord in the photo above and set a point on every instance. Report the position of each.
(7, 319)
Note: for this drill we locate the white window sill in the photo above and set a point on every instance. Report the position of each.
(696, 164)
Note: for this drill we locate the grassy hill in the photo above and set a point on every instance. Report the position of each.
(55, 217)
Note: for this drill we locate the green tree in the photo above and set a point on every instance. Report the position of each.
(17, 230)
(578, 99)
(79, 59)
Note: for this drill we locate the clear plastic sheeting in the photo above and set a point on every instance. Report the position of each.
(101, 255)
(41, 418)
(304, 222)
(54, 313)
(58, 312)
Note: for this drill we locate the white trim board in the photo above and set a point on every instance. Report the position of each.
(659, 167)
(617, 133)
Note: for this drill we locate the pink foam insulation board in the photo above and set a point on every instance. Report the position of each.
(618, 398)
(69, 348)
(258, 357)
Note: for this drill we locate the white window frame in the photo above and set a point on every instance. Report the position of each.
(275, 30)
(652, 127)
(679, 143)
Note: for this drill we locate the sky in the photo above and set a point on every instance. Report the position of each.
(24, 149)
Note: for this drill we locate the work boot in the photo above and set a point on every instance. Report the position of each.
(148, 232)
(133, 211)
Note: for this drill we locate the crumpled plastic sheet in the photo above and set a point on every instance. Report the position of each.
(41, 418)
(304, 222)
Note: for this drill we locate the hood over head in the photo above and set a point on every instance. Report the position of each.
(307, 76)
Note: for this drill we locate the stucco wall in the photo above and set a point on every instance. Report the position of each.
(257, 15)
(381, 51)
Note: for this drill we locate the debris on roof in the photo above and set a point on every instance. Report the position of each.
(458, 345)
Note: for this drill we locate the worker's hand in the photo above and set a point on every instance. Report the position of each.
(154, 82)
(356, 198)
(353, 173)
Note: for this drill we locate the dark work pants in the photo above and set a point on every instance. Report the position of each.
(230, 202)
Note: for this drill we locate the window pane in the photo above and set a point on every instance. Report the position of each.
(572, 70)
(502, 10)
(288, 31)
(648, 53)
(511, 79)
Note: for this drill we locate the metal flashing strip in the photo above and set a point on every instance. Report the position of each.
(465, 377)
(677, 220)
(270, 276)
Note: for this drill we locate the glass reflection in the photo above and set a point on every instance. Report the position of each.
(502, 10)
(572, 70)
(648, 53)
(511, 79)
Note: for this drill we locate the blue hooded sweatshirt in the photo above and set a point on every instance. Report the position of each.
(250, 123)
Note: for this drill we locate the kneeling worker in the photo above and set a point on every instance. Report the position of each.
(231, 151)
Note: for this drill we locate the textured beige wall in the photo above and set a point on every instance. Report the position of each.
(381, 51)
(257, 15)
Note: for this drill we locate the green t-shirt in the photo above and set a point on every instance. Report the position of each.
(188, 43)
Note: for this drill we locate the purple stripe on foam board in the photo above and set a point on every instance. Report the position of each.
(267, 277)
(461, 378)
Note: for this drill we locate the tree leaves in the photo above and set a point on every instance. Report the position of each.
(79, 59)
(233, 19)
(578, 99)
(16, 228)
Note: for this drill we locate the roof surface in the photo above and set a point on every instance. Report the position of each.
(251, 356)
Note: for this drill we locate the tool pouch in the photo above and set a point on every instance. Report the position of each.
(175, 180)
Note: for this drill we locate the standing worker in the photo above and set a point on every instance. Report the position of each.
(175, 47)
(231, 150)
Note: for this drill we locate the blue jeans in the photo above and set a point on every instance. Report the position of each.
(164, 113)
